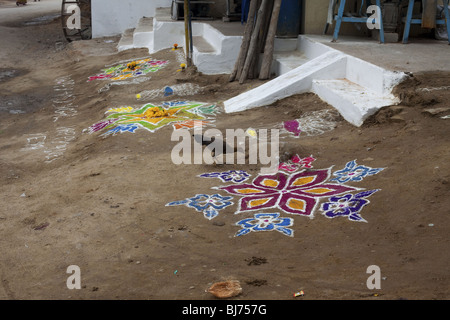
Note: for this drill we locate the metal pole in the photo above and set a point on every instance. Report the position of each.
(186, 33)
(191, 44)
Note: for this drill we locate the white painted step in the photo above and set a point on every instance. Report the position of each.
(286, 61)
(330, 65)
(143, 34)
(164, 14)
(200, 44)
(126, 41)
(354, 102)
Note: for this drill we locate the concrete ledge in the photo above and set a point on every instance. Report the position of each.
(299, 80)
(285, 61)
(223, 50)
(354, 102)
(372, 76)
(126, 41)
(356, 88)
(201, 45)
(143, 34)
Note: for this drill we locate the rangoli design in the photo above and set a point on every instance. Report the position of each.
(235, 176)
(101, 125)
(354, 172)
(208, 204)
(295, 189)
(292, 126)
(266, 222)
(181, 114)
(132, 69)
(311, 123)
(347, 205)
(296, 193)
(296, 163)
(132, 127)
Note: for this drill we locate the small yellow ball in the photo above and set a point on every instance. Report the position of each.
(138, 96)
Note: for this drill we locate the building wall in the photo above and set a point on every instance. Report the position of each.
(113, 17)
(315, 17)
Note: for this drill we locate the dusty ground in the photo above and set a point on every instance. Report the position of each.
(100, 204)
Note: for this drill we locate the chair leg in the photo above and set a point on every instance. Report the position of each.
(447, 18)
(408, 21)
(380, 17)
(338, 20)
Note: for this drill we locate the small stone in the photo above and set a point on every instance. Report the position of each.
(225, 289)
(397, 118)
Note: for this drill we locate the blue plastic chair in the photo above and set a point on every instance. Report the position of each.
(362, 19)
(410, 20)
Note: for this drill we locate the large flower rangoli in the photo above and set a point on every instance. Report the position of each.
(297, 193)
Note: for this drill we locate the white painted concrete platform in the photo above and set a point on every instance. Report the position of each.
(354, 102)
(299, 80)
(127, 40)
(355, 87)
(214, 51)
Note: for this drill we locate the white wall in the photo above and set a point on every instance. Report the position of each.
(112, 17)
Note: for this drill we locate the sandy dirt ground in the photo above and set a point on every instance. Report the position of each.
(70, 197)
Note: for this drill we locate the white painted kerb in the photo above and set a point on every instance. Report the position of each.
(299, 80)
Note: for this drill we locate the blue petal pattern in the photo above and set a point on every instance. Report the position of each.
(347, 205)
(235, 176)
(208, 204)
(354, 172)
(266, 222)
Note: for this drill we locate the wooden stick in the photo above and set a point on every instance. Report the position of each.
(241, 66)
(254, 68)
(429, 14)
(265, 26)
(253, 42)
(186, 33)
(270, 40)
(245, 41)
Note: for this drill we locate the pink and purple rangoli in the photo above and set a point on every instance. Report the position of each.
(296, 189)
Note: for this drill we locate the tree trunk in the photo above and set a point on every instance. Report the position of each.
(245, 41)
(270, 40)
(253, 41)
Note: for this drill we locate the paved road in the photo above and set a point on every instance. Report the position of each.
(9, 12)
